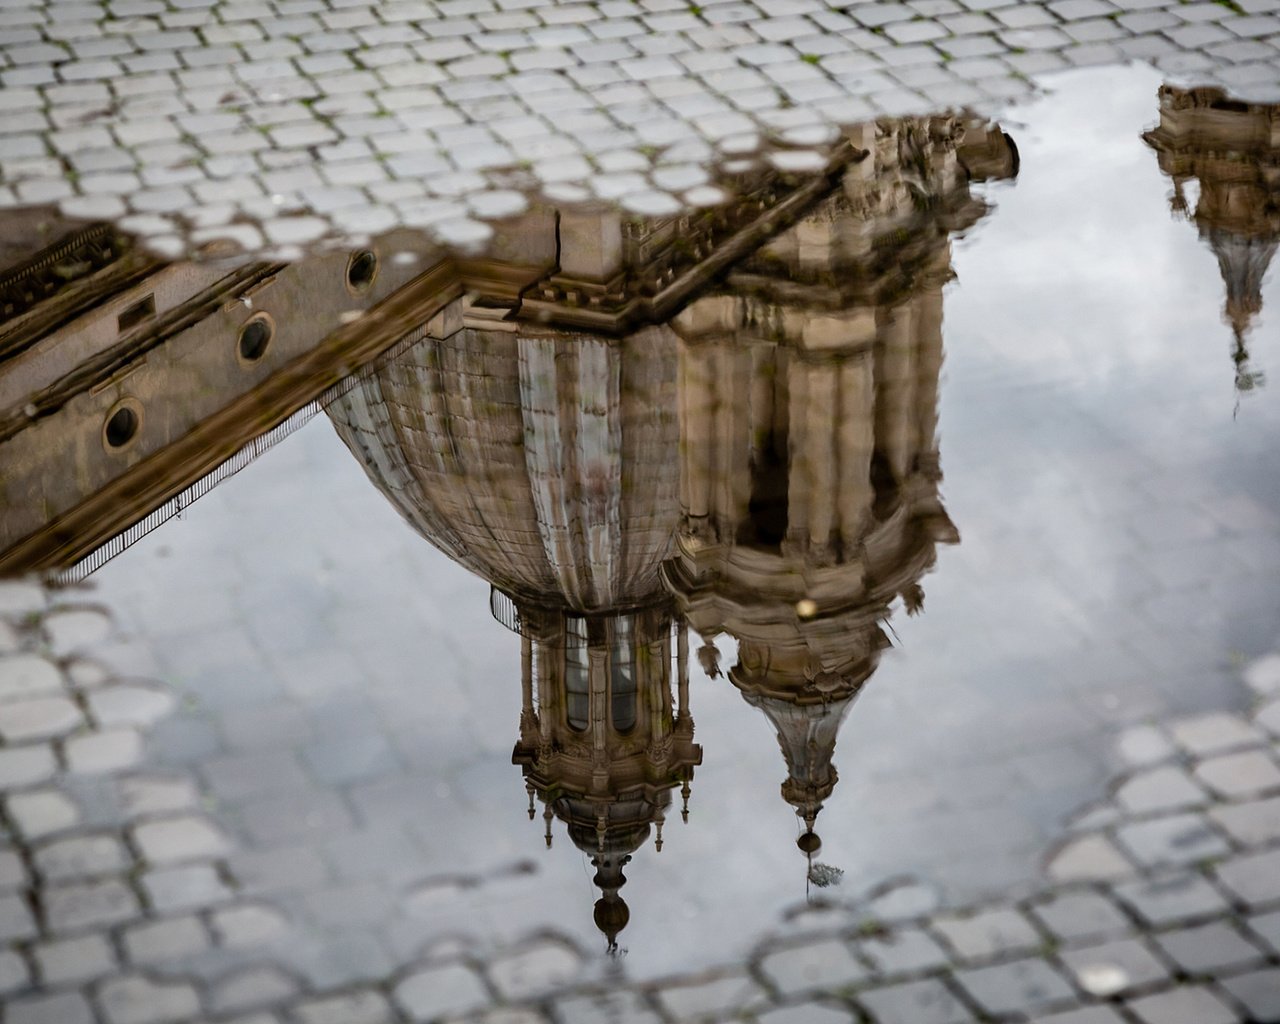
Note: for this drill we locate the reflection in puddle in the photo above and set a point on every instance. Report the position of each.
(725, 422)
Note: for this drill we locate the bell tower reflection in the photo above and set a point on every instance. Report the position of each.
(541, 459)
(808, 422)
(1230, 151)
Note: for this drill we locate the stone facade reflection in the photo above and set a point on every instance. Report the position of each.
(809, 454)
(1230, 150)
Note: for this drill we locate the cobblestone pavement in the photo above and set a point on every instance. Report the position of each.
(273, 124)
(120, 903)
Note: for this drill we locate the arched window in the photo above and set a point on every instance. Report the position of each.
(577, 674)
(622, 677)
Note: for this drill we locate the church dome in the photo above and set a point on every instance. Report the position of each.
(542, 460)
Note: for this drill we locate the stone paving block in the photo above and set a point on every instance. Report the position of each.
(1251, 773)
(1189, 1004)
(174, 840)
(248, 925)
(914, 1002)
(988, 933)
(620, 1005)
(826, 965)
(16, 919)
(1112, 968)
(902, 900)
(1214, 733)
(122, 704)
(26, 766)
(360, 1007)
(41, 813)
(1072, 916)
(23, 676)
(693, 1000)
(904, 950)
(184, 888)
(1017, 986)
(1253, 878)
(440, 990)
(74, 960)
(1257, 991)
(1269, 717)
(80, 857)
(132, 999)
(13, 873)
(1207, 949)
(71, 908)
(1267, 928)
(1172, 898)
(1083, 1015)
(1145, 744)
(72, 630)
(157, 941)
(537, 968)
(1086, 859)
(98, 753)
(1166, 788)
(39, 718)
(1253, 823)
(1263, 674)
(61, 1008)
(1177, 839)
(14, 973)
(142, 796)
(251, 988)
(808, 1013)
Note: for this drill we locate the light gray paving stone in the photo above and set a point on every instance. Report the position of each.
(72, 908)
(1253, 878)
(41, 813)
(141, 796)
(23, 676)
(1083, 1015)
(1017, 986)
(826, 965)
(902, 900)
(247, 925)
(1266, 926)
(1073, 916)
(1251, 823)
(1208, 949)
(13, 873)
(1088, 858)
(1166, 788)
(59, 1008)
(359, 1007)
(904, 950)
(16, 919)
(1263, 674)
(183, 888)
(723, 994)
(1269, 717)
(1214, 733)
(174, 840)
(1257, 991)
(252, 988)
(73, 630)
(15, 976)
(1112, 968)
(914, 1002)
(122, 704)
(1172, 898)
(101, 753)
(440, 990)
(1250, 773)
(38, 719)
(83, 958)
(1177, 839)
(80, 857)
(537, 968)
(808, 1013)
(621, 1005)
(1188, 1004)
(132, 999)
(988, 933)
(154, 942)
(26, 765)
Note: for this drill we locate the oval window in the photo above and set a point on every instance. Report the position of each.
(122, 425)
(362, 268)
(255, 336)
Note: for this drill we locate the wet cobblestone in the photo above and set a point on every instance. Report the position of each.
(1079, 953)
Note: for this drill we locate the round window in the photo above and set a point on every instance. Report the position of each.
(255, 336)
(362, 268)
(122, 425)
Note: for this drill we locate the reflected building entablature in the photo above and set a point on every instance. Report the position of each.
(1231, 151)
(809, 456)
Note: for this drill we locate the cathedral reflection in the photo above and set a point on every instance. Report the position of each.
(759, 462)
(1230, 152)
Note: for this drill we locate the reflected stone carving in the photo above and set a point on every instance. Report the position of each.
(809, 459)
(1231, 151)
